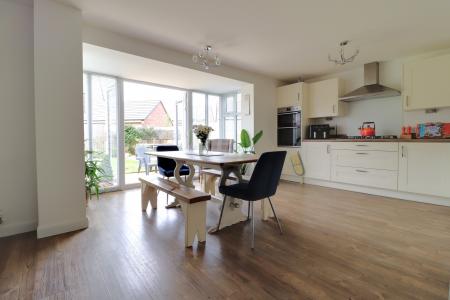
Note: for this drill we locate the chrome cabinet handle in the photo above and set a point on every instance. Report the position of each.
(328, 149)
(361, 171)
(407, 100)
(403, 151)
(362, 153)
(361, 145)
(333, 109)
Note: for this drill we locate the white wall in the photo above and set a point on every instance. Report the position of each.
(264, 89)
(59, 118)
(17, 151)
(387, 113)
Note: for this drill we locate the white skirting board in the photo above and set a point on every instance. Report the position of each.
(54, 229)
(380, 192)
(16, 228)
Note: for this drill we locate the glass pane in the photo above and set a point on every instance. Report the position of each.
(150, 119)
(230, 129)
(85, 112)
(181, 124)
(238, 103)
(239, 128)
(214, 116)
(198, 114)
(104, 127)
(230, 105)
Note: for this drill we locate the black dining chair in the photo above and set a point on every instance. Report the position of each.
(262, 184)
(166, 166)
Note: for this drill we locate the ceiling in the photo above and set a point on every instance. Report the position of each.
(107, 61)
(283, 39)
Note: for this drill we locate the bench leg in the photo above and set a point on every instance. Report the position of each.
(194, 222)
(148, 193)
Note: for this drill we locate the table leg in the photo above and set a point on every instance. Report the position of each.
(232, 212)
(189, 178)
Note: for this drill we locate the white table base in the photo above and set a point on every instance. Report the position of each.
(234, 208)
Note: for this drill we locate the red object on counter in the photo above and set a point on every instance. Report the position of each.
(446, 130)
(409, 130)
(366, 129)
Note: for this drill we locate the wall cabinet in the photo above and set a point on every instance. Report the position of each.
(317, 160)
(426, 83)
(290, 95)
(323, 99)
(424, 168)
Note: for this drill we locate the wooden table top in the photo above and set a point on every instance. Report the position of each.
(216, 158)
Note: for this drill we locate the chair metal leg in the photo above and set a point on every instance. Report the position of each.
(253, 226)
(276, 218)
(221, 211)
(248, 211)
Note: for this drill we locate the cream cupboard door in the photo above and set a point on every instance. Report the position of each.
(317, 160)
(289, 95)
(424, 168)
(323, 98)
(426, 83)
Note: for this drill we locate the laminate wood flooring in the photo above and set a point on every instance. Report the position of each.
(336, 245)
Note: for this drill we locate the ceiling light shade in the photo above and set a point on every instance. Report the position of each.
(342, 60)
(206, 58)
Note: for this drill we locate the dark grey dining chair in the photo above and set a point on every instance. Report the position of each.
(262, 184)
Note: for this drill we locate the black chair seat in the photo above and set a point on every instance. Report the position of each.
(239, 190)
(184, 170)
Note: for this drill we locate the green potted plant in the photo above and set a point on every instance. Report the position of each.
(93, 175)
(248, 145)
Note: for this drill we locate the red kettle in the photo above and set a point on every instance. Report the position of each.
(367, 129)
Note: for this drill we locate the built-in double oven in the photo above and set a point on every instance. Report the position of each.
(289, 121)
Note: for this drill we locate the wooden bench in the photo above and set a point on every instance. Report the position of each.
(192, 201)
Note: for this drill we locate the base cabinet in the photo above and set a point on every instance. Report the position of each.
(424, 168)
(317, 160)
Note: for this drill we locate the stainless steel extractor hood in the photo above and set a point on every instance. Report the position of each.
(372, 87)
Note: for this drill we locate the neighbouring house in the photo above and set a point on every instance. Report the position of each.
(151, 113)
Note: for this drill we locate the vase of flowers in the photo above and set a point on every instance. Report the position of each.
(202, 132)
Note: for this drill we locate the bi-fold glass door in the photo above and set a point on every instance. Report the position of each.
(101, 121)
(124, 119)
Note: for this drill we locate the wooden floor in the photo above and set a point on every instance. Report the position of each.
(337, 245)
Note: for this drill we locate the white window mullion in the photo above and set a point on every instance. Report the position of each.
(89, 110)
(120, 132)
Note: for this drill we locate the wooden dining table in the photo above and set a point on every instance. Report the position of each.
(229, 164)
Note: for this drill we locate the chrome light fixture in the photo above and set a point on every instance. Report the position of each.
(342, 60)
(206, 58)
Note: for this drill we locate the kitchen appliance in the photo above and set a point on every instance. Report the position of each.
(289, 126)
(322, 131)
(367, 129)
(372, 87)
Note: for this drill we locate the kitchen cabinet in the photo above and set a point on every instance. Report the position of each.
(424, 168)
(290, 95)
(317, 160)
(426, 83)
(369, 164)
(323, 99)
